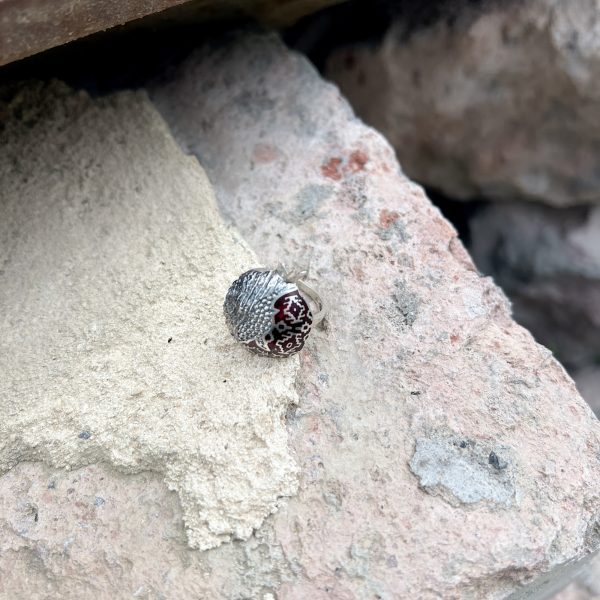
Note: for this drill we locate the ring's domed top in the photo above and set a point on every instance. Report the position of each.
(267, 313)
(250, 302)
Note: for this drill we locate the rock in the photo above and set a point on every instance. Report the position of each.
(548, 262)
(586, 586)
(113, 347)
(419, 350)
(93, 531)
(499, 102)
(31, 26)
(588, 384)
(459, 470)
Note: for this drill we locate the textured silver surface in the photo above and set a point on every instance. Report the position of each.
(249, 303)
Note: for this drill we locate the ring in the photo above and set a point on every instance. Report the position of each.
(266, 311)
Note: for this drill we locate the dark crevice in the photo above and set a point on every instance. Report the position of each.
(125, 57)
(366, 22)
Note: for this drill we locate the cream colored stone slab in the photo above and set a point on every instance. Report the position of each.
(114, 265)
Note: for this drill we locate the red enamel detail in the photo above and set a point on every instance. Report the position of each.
(291, 326)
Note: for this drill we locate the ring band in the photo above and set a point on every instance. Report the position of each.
(314, 296)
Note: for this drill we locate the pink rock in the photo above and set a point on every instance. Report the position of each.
(444, 453)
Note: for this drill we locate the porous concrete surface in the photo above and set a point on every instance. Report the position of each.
(419, 350)
(501, 101)
(548, 261)
(113, 347)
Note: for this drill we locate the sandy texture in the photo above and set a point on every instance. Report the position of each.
(113, 347)
(502, 102)
(97, 533)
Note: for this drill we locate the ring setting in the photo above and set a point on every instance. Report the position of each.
(266, 310)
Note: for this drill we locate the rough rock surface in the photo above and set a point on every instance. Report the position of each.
(113, 348)
(30, 26)
(502, 102)
(586, 586)
(419, 360)
(98, 533)
(548, 262)
(588, 384)
(419, 368)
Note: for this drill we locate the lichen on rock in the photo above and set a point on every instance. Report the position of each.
(463, 471)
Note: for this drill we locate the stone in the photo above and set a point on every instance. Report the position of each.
(113, 345)
(588, 384)
(548, 261)
(96, 532)
(419, 350)
(459, 471)
(31, 26)
(586, 585)
(498, 102)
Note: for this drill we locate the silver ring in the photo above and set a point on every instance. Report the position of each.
(267, 312)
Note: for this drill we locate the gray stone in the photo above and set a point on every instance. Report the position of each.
(462, 471)
(500, 102)
(588, 384)
(586, 585)
(548, 262)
